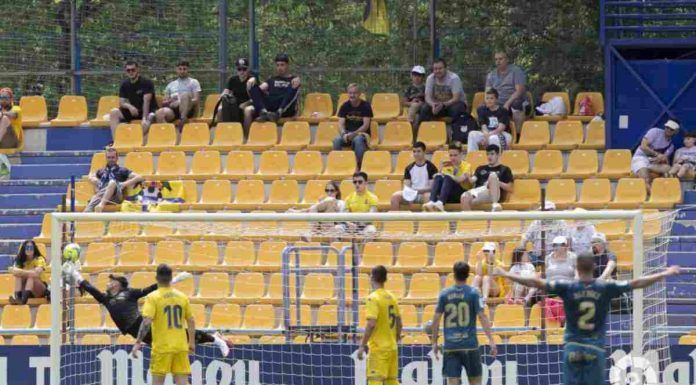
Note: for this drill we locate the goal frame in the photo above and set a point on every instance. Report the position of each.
(59, 218)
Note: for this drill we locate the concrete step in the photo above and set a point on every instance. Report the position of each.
(66, 159)
(18, 219)
(33, 189)
(30, 201)
(10, 246)
(19, 230)
(48, 171)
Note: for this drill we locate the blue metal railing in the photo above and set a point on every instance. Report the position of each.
(626, 19)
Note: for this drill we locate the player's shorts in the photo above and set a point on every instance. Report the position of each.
(383, 366)
(454, 361)
(127, 116)
(162, 364)
(583, 364)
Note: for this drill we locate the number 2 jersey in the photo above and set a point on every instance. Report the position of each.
(459, 306)
(586, 306)
(382, 306)
(169, 310)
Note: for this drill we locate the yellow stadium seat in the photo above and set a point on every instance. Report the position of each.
(104, 107)
(526, 194)
(272, 340)
(595, 137)
(194, 136)
(99, 255)
(396, 284)
(547, 96)
(363, 287)
(595, 193)
(83, 193)
(125, 340)
(152, 232)
(433, 228)
(424, 288)
(318, 288)
(122, 231)
(476, 102)
(327, 315)
(323, 139)
(561, 192)
(409, 315)
(317, 108)
(227, 315)
(477, 158)
(240, 165)
(140, 163)
(6, 287)
(411, 257)
(517, 160)
(630, 194)
(568, 135)
(96, 339)
(98, 162)
(386, 107)
(133, 256)
(377, 164)
(262, 136)
(275, 289)
(665, 193)
(212, 287)
(269, 256)
(169, 252)
(161, 137)
(384, 189)
(238, 339)
(72, 111)
(171, 163)
(45, 235)
(308, 165)
(314, 190)
(397, 229)
(523, 339)
(547, 164)
(504, 230)
(88, 231)
(208, 109)
(43, 316)
(199, 315)
(308, 258)
(624, 253)
(687, 339)
(376, 253)
(128, 137)
(582, 164)
(340, 165)
(25, 340)
(216, 194)
(612, 229)
(248, 288)
(259, 317)
(284, 194)
(239, 255)
(439, 156)
(295, 136)
(88, 316)
(273, 165)
(597, 106)
(534, 136)
(446, 254)
(508, 316)
(203, 255)
(142, 279)
(16, 317)
(250, 195)
(403, 159)
(34, 111)
(616, 164)
(397, 136)
(228, 136)
(433, 134)
(205, 164)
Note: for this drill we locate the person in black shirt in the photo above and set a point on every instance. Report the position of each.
(237, 86)
(122, 304)
(495, 125)
(418, 176)
(492, 182)
(110, 182)
(354, 118)
(276, 97)
(136, 100)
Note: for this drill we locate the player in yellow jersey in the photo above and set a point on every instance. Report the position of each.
(382, 332)
(168, 312)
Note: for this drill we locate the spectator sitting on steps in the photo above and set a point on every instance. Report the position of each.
(111, 182)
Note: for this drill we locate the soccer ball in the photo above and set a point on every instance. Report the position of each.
(428, 327)
(71, 253)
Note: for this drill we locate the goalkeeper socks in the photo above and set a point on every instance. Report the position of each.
(221, 344)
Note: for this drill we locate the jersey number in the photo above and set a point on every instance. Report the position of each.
(174, 313)
(457, 315)
(587, 310)
(392, 317)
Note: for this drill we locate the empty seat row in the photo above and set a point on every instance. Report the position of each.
(568, 135)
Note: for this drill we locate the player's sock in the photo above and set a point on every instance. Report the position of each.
(221, 344)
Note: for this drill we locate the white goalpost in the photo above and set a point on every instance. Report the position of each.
(282, 335)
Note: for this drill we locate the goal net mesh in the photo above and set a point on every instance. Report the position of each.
(242, 288)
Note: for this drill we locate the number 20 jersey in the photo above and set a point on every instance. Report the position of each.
(586, 306)
(169, 310)
(459, 306)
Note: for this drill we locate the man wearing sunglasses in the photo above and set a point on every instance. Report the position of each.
(360, 201)
(653, 154)
(236, 86)
(276, 97)
(136, 100)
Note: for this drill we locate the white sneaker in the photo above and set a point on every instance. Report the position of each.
(429, 206)
(439, 205)
(496, 207)
(221, 344)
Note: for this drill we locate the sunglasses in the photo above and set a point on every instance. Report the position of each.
(29, 247)
(130, 70)
(329, 191)
(242, 68)
(559, 245)
(358, 182)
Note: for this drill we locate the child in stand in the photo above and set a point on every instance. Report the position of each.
(685, 157)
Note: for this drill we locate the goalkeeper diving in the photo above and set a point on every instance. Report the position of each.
(122, 303)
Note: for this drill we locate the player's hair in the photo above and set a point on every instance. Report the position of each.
(461, 271)
(493, 148)
(184, 63)
(420, 145)
(440, 60)
(132, 63)
(492, 91)
(164, 274)
(22, 253)
(361, 174)
(455, 146)
(379, 274)
(585, 262)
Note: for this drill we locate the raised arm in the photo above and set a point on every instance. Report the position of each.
(643, 282)
(136, 294)
(93, 291)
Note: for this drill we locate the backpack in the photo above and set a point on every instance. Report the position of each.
(586, 107)
(462, 126)
(230, 109)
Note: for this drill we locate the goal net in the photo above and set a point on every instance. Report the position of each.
(288, 290)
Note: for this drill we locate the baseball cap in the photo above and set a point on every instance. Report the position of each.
(488, 246)
(560, 240)
(282, 57)
(598, 237)
(242, 62)
(120, 279)
(418, 70)
(164, 272)
(672, 124)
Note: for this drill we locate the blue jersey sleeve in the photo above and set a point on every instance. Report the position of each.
(441, 302)
(616, 288)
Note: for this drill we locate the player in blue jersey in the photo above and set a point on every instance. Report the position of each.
(460, 304)
(586, 302)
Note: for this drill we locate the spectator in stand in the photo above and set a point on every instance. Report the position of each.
(10, 120)
(551, 229)
(520, 294)
(560, 263)
(581, 236)
(236, 86)
(685, 157)
(492, 182)
(653, 154)
(29, 270)
(488, 285)
(354, 118)
(111, 182)
(414, 96)
(418, 180)
(276, 97)
(360, 201)
(495, 125)
(605, 260)
(136, 100)
(451, 182)
(444, 96)
(511, 83)
(331, 203)
(182, 97)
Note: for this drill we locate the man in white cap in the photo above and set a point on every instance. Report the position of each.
(551, 229)
(560, 263)
(605, 260)
(652, 156)
(414, 96)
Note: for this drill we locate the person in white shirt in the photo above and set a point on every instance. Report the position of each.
(418, 177)
(581, 236)
(181, 97)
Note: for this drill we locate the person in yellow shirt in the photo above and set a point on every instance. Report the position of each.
(382, 332)
(10, 120)
(29, 270)
(360, 201)
(488, 285)
(168, 312)
(451, 182)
